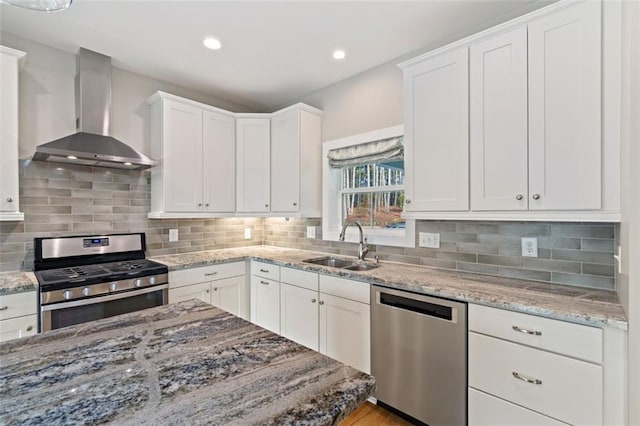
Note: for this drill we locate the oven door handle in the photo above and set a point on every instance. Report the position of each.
(100, 299)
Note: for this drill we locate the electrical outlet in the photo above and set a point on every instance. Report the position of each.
(529, 247)
(173, 235)
(247, 233)
(311, 231)
(429, 240)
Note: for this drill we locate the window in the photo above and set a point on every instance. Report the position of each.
(363, 181)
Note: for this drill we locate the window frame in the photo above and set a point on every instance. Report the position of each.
(332, 197)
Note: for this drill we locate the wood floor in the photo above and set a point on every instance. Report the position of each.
(369, 414)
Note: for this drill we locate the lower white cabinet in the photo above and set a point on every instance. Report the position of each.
(527, 370)
(299, 315)
(18, 315)
(223, 286)
(265, 303)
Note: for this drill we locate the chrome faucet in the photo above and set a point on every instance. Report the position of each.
(362, 246)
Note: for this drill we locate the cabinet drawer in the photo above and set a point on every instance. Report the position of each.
(487, 410)
(201, 291)
(574, 340)
(349, 289)
(205, 273)
(308, 280)
(570, 390)
(18, 327)
(265, 270)
(18, 305)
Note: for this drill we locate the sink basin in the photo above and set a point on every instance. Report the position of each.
(342, 263)
(330, 261)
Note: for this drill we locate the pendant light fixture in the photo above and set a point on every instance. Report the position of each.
(43, 5)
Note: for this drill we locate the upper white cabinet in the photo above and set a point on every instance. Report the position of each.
(10, 61)
(195, 145)
(436, 124)
(565, 139)
(542, 117)
(296, 149)
(498, 122)
(253, 164)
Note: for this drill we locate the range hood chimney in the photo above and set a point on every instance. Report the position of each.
(92, 145)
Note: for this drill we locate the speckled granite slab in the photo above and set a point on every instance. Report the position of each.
(184, 363)
(17, 282)
(582, 305)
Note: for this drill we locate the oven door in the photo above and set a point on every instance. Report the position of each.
(60, 315)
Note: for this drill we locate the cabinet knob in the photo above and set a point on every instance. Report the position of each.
(519, 197)
(9, 200)
(407, 201)
(29, 328)
(321, 302)
(313, 300)
(536, 196)
(206, 205)
(207, 291)
(199, 204)
(295, 204)
(4, 308)
(215, 289)
(266, 205)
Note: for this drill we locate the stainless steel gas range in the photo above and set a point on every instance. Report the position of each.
(85, 278)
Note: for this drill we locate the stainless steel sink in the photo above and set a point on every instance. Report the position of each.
(341, 263)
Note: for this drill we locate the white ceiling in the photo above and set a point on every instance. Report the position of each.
(273, 52)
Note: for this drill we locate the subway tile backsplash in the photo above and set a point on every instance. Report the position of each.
(60, 199)
(578, 254)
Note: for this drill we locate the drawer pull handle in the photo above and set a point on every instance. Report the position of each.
(4, 308)
(208, 274)
(525, 331)
(526, 379)
(264, 270)
(264, 282)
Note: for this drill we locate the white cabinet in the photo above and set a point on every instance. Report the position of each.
(523, 368)
(498, 122)
(565, 139)
(253, 164)
(223, 286)
(436, 124)
(265, 295)
(195, 145)
(299, 315)
(296, 149)
(18, 315)
(10, 61)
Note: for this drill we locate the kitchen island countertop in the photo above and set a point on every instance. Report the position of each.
(184, 363)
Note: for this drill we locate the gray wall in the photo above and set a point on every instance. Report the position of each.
(47, 98)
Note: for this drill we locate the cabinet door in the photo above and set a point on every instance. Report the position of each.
(230, 295)
(498, 122)
(265, 303)
(200, 291)
(487, 410)
(299, 315)
(437, 133)
(285, 162)
(345, 331)
(564, 109)
(252, 155)
(219, 164)
(8, 132)
(18, 327)
(182, 156)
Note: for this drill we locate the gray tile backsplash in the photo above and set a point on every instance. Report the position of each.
(579, 254)
(60, 199)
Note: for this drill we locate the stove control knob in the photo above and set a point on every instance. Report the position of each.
(137, 282)
(86, 291)
(152, 280)
(67, 294)
(113, 286)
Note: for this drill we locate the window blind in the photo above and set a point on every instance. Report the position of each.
(370, 152)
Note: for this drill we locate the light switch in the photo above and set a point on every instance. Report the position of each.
(429, 240)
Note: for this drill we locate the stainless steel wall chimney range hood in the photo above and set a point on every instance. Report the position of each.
(92, 145)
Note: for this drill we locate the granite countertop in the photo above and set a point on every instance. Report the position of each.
(17, 282)
(184, 363)
(581, 305)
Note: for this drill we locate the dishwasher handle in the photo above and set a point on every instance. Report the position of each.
(418, 306)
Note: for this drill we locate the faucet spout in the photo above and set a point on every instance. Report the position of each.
(363, 249)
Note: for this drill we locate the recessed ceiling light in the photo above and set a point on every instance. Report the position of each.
(339, 54)
(212, 43)
(127, 163)
(72, 157)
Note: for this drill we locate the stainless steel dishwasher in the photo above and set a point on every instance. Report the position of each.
(419, 355)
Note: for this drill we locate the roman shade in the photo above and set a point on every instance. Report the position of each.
(383, 150)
